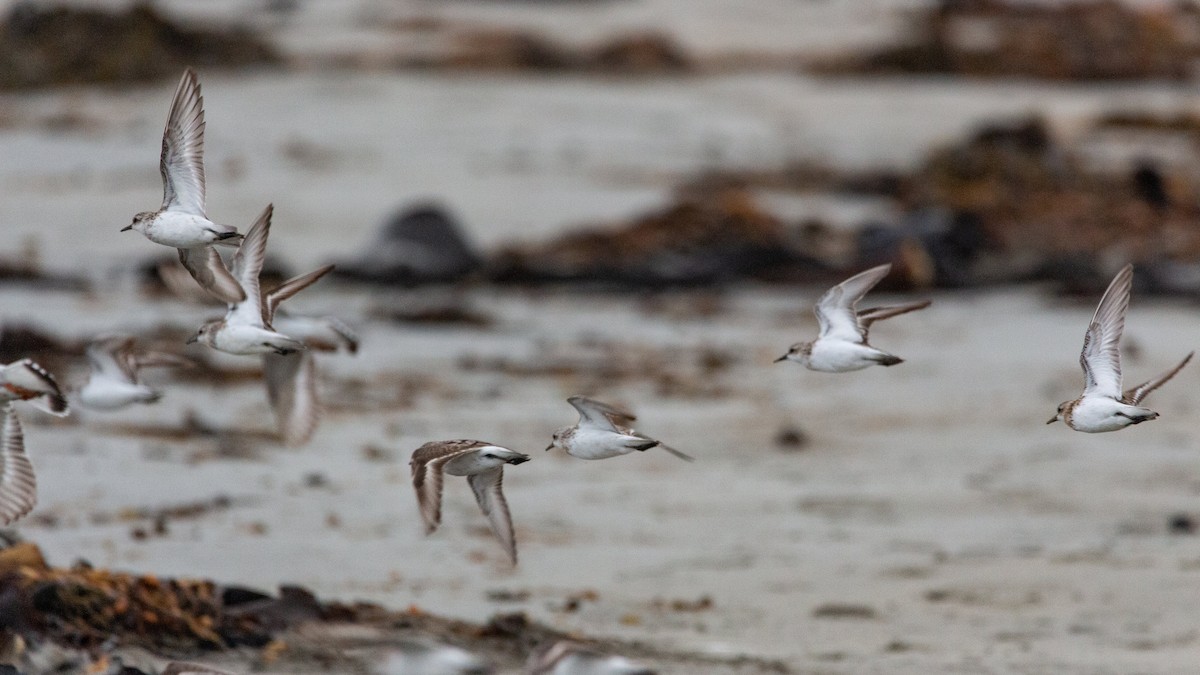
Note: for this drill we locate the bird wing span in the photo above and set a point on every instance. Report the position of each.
(867, 317)
(836, 309)
(289, 288)
(593, 413)
(18, 485)
(110, 358)
(1135, 395)
(292, 390)
(426, 464)
(206, 267)
(247, 266)
(490, 495)
(182, 160)
(1101, 355)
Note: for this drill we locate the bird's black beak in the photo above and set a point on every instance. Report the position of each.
(782, 358)
(127, 227)
(1053, 420)
(192, 340)
(549, 447)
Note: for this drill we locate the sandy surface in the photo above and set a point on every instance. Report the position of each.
(517, 158)
(933, 522)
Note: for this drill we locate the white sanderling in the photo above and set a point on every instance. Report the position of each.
(842, 345)
(246, 327)
(181, 222)
(1103, 406)
(601, 433)
(483, 465)
(113, 382)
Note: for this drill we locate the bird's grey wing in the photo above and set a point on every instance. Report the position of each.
(18, 485)
(1137, 394)
(161, 360)
(426, 464)
(836, 309)
(109, 357)
(349, 339)
(182, 160)
(247, 266)
(490, 495)
(1101, 355)
(292, 391)
(326, 333)
(206, 267)
(599, 415)
(289, 288)
(181, 284)
(867, 317)
(185, 668)
(678, 453)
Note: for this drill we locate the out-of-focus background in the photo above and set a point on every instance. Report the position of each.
(638, 200)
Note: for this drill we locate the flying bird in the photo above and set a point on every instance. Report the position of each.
(601, 433)
(842, 344)
(483, 465)
(115, 363)
(1103, 406)
(181, 222)
(246, 327)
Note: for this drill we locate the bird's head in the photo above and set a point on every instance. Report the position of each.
(139, 222)
(1062, 409)
(207, 333)
(799, 352)
(559, 439)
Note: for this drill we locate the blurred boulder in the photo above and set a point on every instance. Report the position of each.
(421, 244)
(705, 237)
(501, 49)
(640, 53)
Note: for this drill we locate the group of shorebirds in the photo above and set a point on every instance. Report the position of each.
(252, 326)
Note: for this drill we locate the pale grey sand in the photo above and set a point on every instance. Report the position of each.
(933, 522)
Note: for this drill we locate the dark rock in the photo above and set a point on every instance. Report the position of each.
(293, 606)
(791, 439)
(235, 596)
(1150, 185)
(709, 237)
(421, 244)
(1181, 523)
(501, 49)
(640, 53)
(19, 341)
(44, 45)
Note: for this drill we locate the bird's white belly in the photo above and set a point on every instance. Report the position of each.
(471, 463)
(597, 444)
(112, 395)
(182, 230)
(840, 356)
(245, 340)
(1095, 414)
